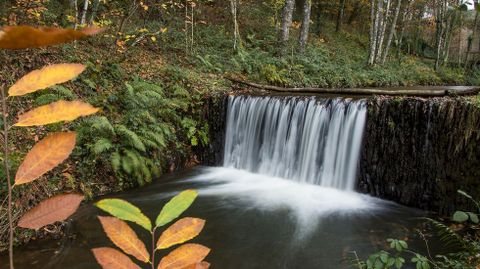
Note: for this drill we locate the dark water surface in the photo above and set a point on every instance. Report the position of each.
(253, 221)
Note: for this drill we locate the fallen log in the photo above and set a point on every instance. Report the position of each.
(422, 91)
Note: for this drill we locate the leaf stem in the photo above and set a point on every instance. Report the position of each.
(7, 172)
(153, 248)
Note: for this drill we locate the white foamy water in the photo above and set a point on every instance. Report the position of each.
(305, 203)
(310, 140)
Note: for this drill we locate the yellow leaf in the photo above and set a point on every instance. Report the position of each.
(55, 112)
(46, 77)
(110, 258)
(22, 37)
(180, 232)
(184, 256)
(57, 208)
(45, 155)
(154, 39)
(124, 237)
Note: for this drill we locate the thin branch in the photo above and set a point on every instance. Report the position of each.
(7, 171)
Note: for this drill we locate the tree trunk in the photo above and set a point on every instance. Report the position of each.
(75, 7)
(287, 16)
(236, 31)
(373, 33)
(381, 37)
(341, 12)
(406, 18)
(448, 38)
(474, 34)
(307, 10)
(440, 30)
(84, 13)
(392, 31)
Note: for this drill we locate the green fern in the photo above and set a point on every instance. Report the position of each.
(144, 122)
(102, 145)
(116, 161)
(102, 124)
(448, 236)
(130, 137)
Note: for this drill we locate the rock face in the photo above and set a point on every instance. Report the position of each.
(215, 115)
(419, 152)
(416, 152)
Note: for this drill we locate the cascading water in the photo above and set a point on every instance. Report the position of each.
(305, 139)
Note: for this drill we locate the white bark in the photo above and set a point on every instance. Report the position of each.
(307, 11)
(236, 30)
(84, 13)
(392, 31)
(287, 16)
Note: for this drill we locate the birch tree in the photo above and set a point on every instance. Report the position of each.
(287, 16)
(236, 31)
(393, 26)
(84, 13)
(382, 17)
(307, 11)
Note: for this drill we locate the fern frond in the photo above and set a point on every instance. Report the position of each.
(116, 161)
(64, 92)
(102, 124)
(46, 99)
(130, 137)
(448, 236)
(102, 145)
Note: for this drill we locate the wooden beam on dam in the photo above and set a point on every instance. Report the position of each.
(421, 91)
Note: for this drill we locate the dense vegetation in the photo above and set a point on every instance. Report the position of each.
(158, 62)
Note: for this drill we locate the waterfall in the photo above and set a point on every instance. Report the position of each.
(306, 139)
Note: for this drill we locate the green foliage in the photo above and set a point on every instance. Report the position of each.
(463, 249)
(176, 207)
(142, 124)
(461, 216)
(125, 211)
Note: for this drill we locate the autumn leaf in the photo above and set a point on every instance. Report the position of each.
(45, 155)
(110, 258)
(22, 37)
(125, 211)
(175, 207)
(45, 77)
(125, 238)
(184, 256)
(180, 232)
(57, 208)
(55, 112)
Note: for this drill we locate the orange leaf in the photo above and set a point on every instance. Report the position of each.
(22, 37)
(124, 237)
(180, 232)
(55, 112)
(184, 256)
(110, 258)
(45, 155)
(57, 208)
(201, 265)
(45, 77)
